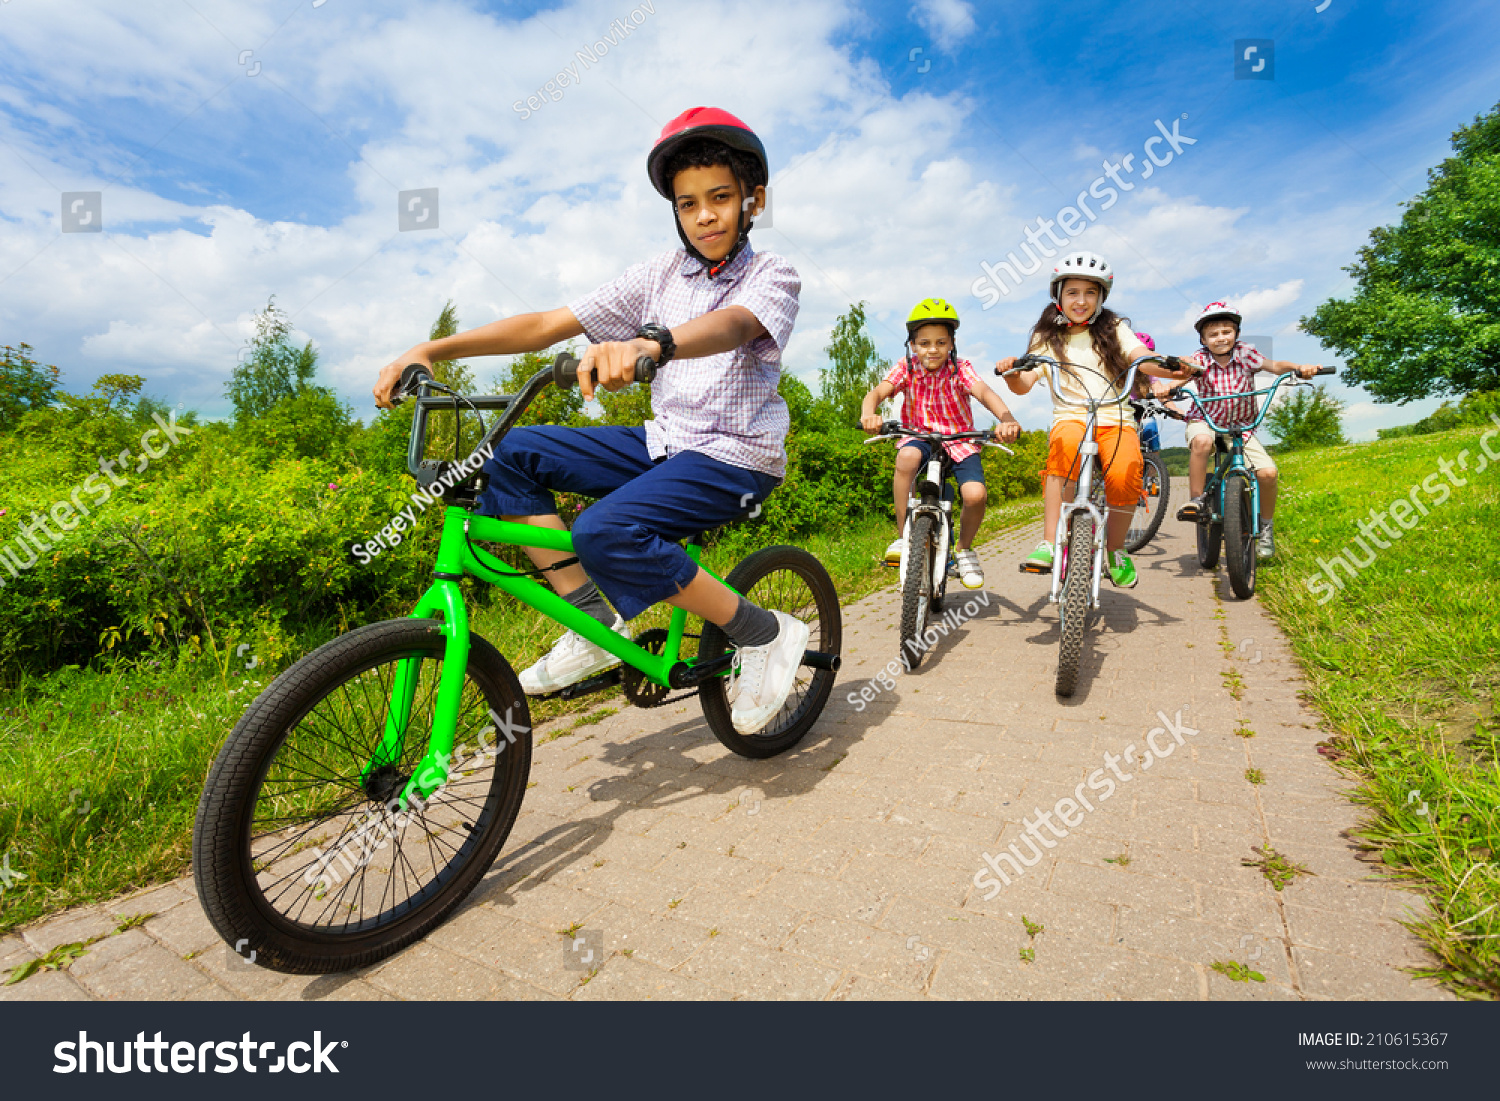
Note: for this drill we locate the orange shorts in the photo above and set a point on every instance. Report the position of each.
(1119, 452)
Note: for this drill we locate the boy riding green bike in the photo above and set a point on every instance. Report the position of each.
(368, 790)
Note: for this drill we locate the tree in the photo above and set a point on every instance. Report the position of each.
(1425, 315)
(1308, 418)
(118, 388)
(450, 373)
(273, 368)
(854, 368)
(25, 384)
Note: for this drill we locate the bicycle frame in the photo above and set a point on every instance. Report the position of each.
(444, 600)
(1230, 454)
(1088, 453)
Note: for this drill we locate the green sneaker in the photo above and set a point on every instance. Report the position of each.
(1040, 560)
(1121, 570)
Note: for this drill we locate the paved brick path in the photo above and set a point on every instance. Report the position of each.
(847, 869)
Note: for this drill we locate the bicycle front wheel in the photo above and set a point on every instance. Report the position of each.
(1239, 534)
(304, 857)
(1155, 491)
(788, 580)
(916, 595)
(1073, 606)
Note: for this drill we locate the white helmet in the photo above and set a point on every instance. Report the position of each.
(1083, 265)
(1217, 311)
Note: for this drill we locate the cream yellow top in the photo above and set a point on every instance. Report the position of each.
(1080, 385)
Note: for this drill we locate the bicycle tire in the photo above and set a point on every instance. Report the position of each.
(935, 604)
(1210, 533)
(783, 579)
(1073, 605)
(1239, 534)
(268, 887)
(1143, 528)
(916, 594)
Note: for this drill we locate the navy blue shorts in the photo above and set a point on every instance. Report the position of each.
(628, 540)
(971, 469)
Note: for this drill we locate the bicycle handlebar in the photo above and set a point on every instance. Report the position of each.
(417, 382)
(565, 371)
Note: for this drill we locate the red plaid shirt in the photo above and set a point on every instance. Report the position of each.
(1234, 378)
(937, 401)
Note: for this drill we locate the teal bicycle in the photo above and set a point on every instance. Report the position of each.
(368, 789)
(1231, 494)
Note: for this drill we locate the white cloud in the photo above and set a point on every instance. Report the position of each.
(948, 21)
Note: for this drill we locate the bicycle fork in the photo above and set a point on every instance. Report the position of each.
(1087, 453)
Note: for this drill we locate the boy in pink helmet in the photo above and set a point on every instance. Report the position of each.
(1229, 368)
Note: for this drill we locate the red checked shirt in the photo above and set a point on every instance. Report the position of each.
(1234, 378)
(937, 401)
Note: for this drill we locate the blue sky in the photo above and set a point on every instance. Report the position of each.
(911, 143)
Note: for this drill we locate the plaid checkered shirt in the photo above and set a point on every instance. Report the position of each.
(937, 401)
(1237, 376)
(724, 406)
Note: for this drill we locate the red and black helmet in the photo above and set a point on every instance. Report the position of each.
(701, 122)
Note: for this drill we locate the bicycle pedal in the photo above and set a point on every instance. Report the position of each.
(585, 687)
(1027, 567)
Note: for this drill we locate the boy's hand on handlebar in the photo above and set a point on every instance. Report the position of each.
(871, 423)
(1007, 431)
(390, 374)
(611, 366)
(1307, 370)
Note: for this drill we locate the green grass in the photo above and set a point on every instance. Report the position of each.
(100, 770)
(1404, 661)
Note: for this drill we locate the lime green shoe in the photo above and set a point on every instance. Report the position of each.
(1040, 560)
(1122, 570)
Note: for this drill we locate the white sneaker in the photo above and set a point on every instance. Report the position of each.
(572, 658)
(970, 572)
(893, 552)
(764, 675)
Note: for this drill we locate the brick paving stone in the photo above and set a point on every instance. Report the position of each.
(1351, 979)
(184, 928)
(663, 941)
(150, 974)
(45, 986)
(425, 973)
(633, 979)
(896, 958)
(749, 970)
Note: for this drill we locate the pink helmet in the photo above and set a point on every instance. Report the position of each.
(1216, 311)
(1145, 338)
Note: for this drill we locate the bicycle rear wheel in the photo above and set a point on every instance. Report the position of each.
(1155, 491)
(1239, 533)
(1073, 605)
(788, 580)
(304, 859)
(1210, 534)
(916, 594)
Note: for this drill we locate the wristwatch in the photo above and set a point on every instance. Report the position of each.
(662, 336)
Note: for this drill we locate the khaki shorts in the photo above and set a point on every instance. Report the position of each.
(1256, 456)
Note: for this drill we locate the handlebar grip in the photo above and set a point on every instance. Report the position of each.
(412, 376)
(565, 370)
(1326, 371)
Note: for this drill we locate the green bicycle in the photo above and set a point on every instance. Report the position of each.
(368, 789)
